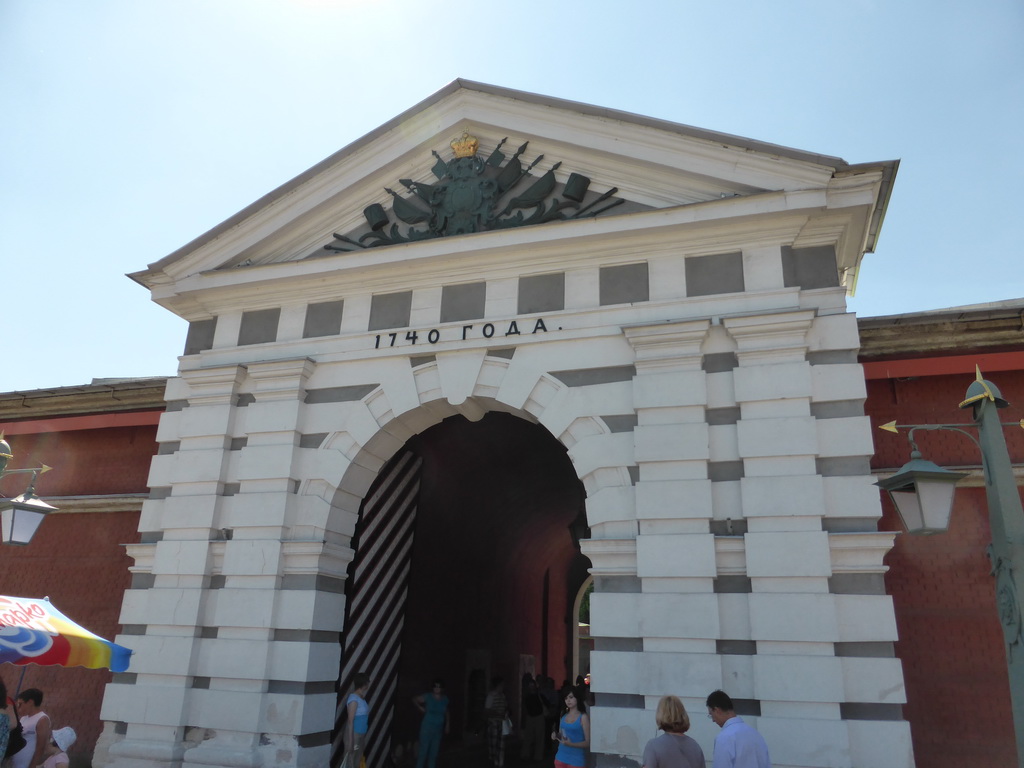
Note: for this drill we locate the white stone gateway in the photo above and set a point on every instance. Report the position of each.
(688, 345)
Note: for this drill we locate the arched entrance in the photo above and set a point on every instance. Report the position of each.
(488, 515)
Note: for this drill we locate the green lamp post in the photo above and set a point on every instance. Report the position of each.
(923, 495)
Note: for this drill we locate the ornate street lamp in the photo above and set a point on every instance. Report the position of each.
(21, 516)
(923, 495)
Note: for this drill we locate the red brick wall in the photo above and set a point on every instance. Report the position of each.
(85, 462)
(950, 642)
(76, 559)
(78, 562)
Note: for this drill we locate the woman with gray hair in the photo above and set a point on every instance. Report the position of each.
(673, 749)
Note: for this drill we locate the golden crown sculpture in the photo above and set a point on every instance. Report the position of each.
(466, 146)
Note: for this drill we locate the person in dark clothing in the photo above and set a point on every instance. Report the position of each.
(532, 745)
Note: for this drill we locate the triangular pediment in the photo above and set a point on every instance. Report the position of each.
(536, 161)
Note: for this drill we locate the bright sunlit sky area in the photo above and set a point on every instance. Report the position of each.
(130, 127)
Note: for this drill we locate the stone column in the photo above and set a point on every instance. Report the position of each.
(820, 626)
(237, 612)
(181, 549)
(647, 621)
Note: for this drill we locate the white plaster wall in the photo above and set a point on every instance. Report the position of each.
(710, 543)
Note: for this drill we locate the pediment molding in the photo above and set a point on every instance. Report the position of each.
(653, 164)
(697, 230)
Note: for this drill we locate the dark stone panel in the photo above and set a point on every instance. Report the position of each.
(201, 683)
(588, 376)
(866, 650)
(750, 707)
(134, 629)
(238, 443)
(724, 471)
(617, 584)
(258, 326)
(209, 633)
(339, 394)
(151, 537)
(634, 474)
(849, 524)
(541, 293)
(231, 489)
(853, 710)
(300, 688)
(505, 353)
(416, 362)
(622, 700)
(732, 585)
(623, 644)
(308, 740)
(245, 399)
(124, 678)
(200, 336)
(142, 581)
(717, 417)
(843, 466)
(312, 440)
(313, 581)
(719, 273)
(809, 267)
(219, 581)
(719, 362)
(614, 761)
(305, 636)
(624, 284)
(832, 357)
(323, 319)
(390, 310)
(463, 302)
(121, 728)
(728, 527)
(857, 584)
(173, 406)
(621, 423)
(161, 492)
(837, 409)
(736, 647)
(166, 449)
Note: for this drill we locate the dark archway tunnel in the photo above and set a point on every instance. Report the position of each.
(495, 565)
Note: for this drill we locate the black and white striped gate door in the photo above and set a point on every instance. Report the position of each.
(375, 605)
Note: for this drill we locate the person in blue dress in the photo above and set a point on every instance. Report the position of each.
(434, 706)
(6, 712)
(358, 721)
(573, 734)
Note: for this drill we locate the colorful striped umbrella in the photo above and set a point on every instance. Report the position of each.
(35, 632)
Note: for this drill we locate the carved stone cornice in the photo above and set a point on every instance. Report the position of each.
(959, 330)
(770, 338)
(280, 379)
(99, 397)
(610, 557)
(213, 386)
(126, 502)
(667, 346)
(860, 552)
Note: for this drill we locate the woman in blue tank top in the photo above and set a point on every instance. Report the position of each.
(573, 734)
(358, 721)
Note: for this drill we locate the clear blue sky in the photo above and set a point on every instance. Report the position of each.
(129, 127)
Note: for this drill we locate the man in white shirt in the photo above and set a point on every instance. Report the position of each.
(737, 745)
